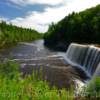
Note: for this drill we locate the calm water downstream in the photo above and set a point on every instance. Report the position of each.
(35, 56)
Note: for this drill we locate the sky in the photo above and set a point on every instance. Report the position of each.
(39, 14)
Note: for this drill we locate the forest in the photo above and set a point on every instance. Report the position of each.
(82, 27)
(11, 35)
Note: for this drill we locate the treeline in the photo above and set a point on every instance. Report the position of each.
(10, 34)
(82, 27)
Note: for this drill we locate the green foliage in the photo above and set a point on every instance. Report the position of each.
(14, 87)
(27, 88)
(10, 35)
(82, 27)
(93, 88)
(8, 69)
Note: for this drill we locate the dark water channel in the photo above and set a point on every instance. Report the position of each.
(35, 56)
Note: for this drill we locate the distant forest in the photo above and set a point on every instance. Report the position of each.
(11, 35)
(82, 27)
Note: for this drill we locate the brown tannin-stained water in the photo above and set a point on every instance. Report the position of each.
(36, 57)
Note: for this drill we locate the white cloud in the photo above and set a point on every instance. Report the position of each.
(3, 19)
(26, 2)
(40, 20)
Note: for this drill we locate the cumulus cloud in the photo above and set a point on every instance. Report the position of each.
(30, 2)
(41, 20)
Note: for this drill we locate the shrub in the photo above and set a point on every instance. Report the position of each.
(27, 88)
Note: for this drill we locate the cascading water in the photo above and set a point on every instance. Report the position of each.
(97, 72)
(84, 56)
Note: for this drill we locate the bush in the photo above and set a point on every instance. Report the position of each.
(92, 89)
(27, 88)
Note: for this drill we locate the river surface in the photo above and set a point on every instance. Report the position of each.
(34, 56)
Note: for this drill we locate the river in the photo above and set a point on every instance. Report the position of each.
(34, 56)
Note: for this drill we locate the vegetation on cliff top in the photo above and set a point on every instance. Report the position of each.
(82, 27)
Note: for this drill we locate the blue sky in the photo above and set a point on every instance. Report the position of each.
(10, 10)
(38, 14)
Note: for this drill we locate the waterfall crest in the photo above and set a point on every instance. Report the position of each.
(86, 57)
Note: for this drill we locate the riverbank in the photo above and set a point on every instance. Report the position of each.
(11, 35)
(14, 86)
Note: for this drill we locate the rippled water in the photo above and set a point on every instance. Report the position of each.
(35, 56)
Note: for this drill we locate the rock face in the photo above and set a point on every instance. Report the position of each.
(86, 57)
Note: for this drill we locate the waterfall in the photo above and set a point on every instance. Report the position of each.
(97, 72)
(86, 57)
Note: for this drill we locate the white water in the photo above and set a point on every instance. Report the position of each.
(85, 57)
(97, 72)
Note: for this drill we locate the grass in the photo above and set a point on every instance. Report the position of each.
(14, 87)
